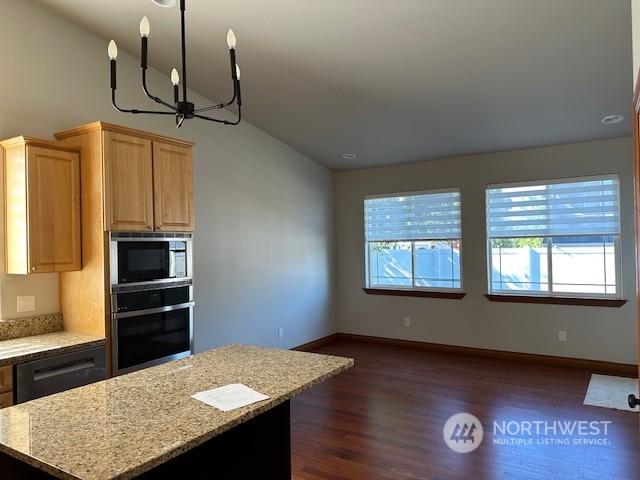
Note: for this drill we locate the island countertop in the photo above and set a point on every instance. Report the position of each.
(125, 426)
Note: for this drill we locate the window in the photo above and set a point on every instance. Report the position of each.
(413, 240)
(559, 238)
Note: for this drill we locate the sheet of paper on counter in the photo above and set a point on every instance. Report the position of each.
(230, 397)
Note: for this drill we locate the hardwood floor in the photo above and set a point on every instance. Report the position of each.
(383, 419)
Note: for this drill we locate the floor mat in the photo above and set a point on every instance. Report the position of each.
(611, 392)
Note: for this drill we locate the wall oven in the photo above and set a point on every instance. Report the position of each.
(138, 258)
(151, 326)
(151, 299)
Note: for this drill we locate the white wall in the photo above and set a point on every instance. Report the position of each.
(255, 197)
(593, 332)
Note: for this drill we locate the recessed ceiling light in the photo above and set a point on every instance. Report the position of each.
(165, 3)
(349, 156)
(611, 119)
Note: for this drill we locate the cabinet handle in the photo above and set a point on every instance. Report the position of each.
(149, 227)
(33, 269)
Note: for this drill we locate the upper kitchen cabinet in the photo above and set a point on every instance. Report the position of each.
(128, 180)
(172, 187)
(147, 179)
(42, 206)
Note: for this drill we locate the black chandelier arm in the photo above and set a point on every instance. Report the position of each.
(222, 105)
(234, 79)
(212, 107)
(134, 110)
(238, 120)
(153, 97)
(202, 117)
(236, 95)
(217, 106)
(224, 122)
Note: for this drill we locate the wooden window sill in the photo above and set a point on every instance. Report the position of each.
(588, 302)
(401, 292)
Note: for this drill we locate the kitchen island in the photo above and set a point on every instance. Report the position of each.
(147, 425)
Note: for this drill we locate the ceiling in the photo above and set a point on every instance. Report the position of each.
(397, 81)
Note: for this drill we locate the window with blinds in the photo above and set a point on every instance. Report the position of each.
(560, 237)
(413, 240)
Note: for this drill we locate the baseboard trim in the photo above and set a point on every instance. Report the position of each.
(596, 366)
(320, 342)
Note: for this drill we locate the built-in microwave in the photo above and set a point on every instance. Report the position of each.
(141, 258)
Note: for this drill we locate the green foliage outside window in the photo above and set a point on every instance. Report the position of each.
(537, 242)
(383, 246)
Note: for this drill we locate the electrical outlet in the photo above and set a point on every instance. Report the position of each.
(26, 303)
(562, 336)
(407, 322)
(280, 332)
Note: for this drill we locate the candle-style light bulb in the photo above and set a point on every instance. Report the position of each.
(112, 50)
(145, 27)
(238, 92)
(231, 39)
(175, 78)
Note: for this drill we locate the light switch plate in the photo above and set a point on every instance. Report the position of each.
(26, 303)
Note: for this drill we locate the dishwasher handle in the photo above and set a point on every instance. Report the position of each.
(70, 367)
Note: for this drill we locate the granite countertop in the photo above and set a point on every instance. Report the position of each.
(25, 349)
(124, 426)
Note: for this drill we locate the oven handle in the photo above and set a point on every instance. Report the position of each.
(166, 308)
(172, 264)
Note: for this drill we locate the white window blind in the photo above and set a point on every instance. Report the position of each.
(565, 207)
(413, 216)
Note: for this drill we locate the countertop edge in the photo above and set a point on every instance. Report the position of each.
(36, 463)
(30, 356)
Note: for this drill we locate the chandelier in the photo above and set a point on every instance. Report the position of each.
(181, 108)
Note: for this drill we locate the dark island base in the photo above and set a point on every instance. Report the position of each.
(258, 448)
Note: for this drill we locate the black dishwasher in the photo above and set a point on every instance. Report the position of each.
(57, 373)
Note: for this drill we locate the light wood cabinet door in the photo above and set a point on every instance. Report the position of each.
(6, 399)
(173, 188)
(6, 386)
(128, 178)
(53, 184)
(6, 379)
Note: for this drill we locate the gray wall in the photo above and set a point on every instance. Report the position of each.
(255, 196)
(635, 25)
(593, 332)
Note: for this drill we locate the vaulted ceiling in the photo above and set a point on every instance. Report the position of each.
(397, 81)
